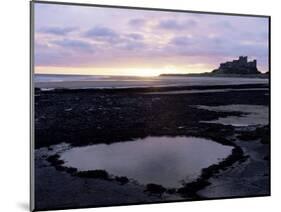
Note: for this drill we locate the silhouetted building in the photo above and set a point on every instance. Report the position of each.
(240, 66)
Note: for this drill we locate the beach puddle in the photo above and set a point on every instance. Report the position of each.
(161, 160)
(255, 115)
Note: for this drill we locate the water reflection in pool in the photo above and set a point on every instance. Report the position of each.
(162, 160)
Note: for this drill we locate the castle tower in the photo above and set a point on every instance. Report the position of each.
(243, 60)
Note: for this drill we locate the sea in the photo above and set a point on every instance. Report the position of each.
(99, 81)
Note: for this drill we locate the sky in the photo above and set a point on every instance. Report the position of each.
(112, 41)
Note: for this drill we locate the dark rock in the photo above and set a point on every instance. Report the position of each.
(155, 188)
(122, 180)
(137, 112)
(60, 168)
(266, 157)
(190, 189)
(171, 191)
(260, 133)
(247, 136)
(98, 174)
(71, 170)
(54, 160)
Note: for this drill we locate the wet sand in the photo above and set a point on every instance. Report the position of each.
(249, 178)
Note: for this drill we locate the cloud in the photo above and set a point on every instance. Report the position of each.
(135, 36)
(102, 33)
(57, 30)
(263, 36)
(215, 48)
(181, 41)
(172, 24)
(112, 40)
(224, 25)
(72, 44)
(49, 58)
(135, 45)
(137, 22)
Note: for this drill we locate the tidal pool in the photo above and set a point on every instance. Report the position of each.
(255, 115)
(162, 160)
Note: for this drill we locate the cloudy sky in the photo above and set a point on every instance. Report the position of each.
(111, 41)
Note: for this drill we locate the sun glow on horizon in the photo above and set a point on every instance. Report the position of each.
(145, 72)
(138, 72)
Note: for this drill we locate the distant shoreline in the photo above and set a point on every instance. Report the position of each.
(261, 75)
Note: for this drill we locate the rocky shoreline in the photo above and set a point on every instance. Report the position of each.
(77, 116)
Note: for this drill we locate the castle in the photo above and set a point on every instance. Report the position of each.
(240, 66)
